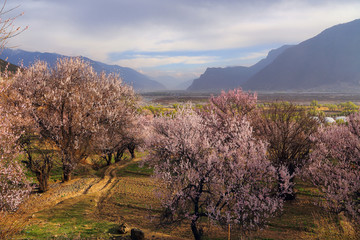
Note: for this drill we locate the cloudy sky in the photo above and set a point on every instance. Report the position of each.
(174, 37)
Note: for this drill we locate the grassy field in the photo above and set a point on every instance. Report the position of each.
(94, 207)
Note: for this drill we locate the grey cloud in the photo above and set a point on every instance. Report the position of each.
(87, 15)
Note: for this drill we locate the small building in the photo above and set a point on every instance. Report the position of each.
(329, 120)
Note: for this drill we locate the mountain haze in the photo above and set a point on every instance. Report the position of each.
(139, 81)
(173, 83)
(329, 61)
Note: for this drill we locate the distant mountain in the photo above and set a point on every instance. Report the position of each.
(329, 61)
(216, 79)
(168, 81)
(139, 81)
(184, 85)
(173, 83)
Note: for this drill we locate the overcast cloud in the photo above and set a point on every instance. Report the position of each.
(177, 37)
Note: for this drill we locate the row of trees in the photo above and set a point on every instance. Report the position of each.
(235, 163)
(345, 108)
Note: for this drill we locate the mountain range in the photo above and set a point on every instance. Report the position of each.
(140, 82)
(214, 79)
(329, 61)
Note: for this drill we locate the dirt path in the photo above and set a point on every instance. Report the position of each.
(96, 192)
(77, 189)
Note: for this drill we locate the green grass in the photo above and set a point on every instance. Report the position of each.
(68, 222)
(135, 170)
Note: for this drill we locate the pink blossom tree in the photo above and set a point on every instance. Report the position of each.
(234, 103)
(335, 166)
(38, 153)
(206, 172)
(119, 126)
(72, 106)
(14, 187)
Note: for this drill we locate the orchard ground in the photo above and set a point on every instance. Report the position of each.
(96, 203)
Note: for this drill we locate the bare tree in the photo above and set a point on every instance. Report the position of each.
(287, 129)
(7, 28)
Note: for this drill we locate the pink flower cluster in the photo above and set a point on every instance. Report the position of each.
(335, 166)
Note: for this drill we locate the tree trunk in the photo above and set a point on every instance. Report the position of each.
(68, 165)
(67, 170)
(196, 232)
(119, 155)
(66, 176)
(43, 180)
(131, 148)
(42, 169)
(108, 158)
(291, 195)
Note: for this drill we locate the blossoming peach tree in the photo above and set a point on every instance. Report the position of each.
(14, 187)
(77, 110)
(335, 166)
(212, 168)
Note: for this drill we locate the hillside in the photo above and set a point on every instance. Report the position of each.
(4, 64)
(216, 79)
(329, 61)
(139, 81)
